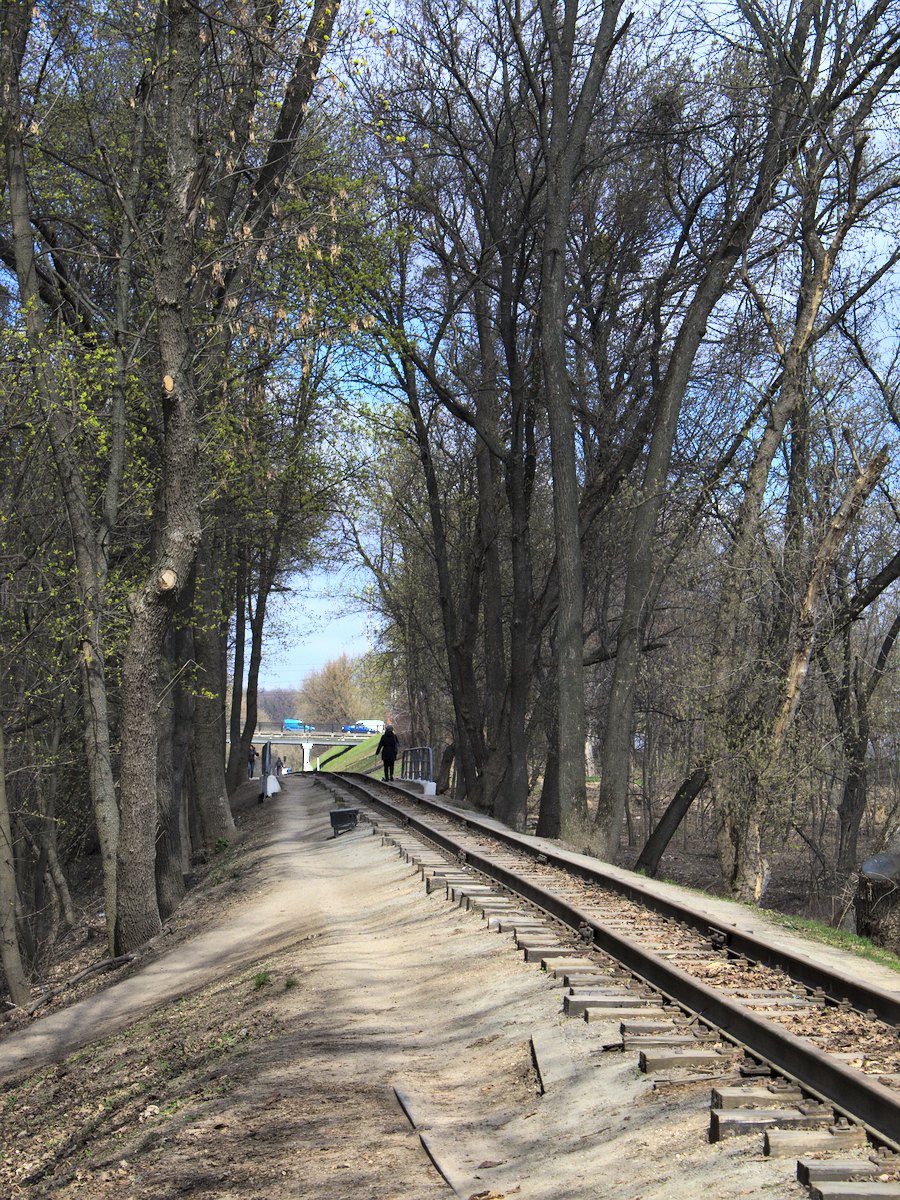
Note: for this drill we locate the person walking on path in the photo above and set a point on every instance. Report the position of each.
(251, 761)
(279, 766)
(387, 748)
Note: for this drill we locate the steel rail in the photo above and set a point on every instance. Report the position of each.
(837, 987)
(848, 1091)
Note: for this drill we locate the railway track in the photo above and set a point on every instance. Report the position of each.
(807, 1056)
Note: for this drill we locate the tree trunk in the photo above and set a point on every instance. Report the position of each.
(192, 814)
(10, 955)
(442, 783)
(234, 773)
(470, 752)
(99, 759)
(519, 475)
(548, 825)
(726, 674)
(502, 799)
(257, 621)
(49, 837)
(570, 611)
(206, 748)
(666, 827)
(520, 655)
(183, 720)
(179, 527)
(851, 809)
(838, 528)
(743, 863)
(169, 876)
(567, 121)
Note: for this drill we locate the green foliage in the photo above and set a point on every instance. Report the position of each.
(261, 979)
(843, 939)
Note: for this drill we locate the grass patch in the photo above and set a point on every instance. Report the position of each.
(358, 758)
(818, 931)
(225, 865)
(289, 983)
(261, 979)
(332, 758)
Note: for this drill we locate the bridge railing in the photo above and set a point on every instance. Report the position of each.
(417, 763)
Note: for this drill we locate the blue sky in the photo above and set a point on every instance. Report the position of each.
(317, 621)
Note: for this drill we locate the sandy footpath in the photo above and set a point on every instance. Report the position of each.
(273, 1076)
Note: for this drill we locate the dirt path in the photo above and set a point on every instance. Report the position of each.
(273, 1079)
(264, 926)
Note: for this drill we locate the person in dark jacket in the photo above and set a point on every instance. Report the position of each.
(252, 756)
(387, 748)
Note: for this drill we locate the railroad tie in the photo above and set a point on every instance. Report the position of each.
(837, 1139)
(838, 1170)
(666, 1038)
(579, 1001)
(560, 968)
(717, 1058)
(750, 1109)
(855, 1190)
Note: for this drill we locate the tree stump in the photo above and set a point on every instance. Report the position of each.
(877, 900)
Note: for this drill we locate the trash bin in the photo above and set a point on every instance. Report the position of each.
(343, 819)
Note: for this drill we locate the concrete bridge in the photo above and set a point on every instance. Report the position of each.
(299, 751)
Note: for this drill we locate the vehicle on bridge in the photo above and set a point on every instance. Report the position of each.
(289, 725)
(364, 727)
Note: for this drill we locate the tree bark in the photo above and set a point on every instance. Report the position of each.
(548, 825)
(178, 536)
(168, 863)
(234, 772)
(206, 747)
(567, 124)
(570, 610)
(524, 640)
(10, 954)
(442, 783)
(49, 837)
(847, 692)
(666, 827)
(183, 721)
(257, 624)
